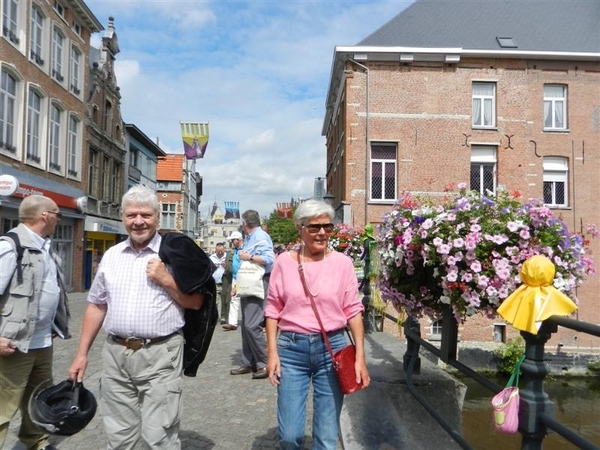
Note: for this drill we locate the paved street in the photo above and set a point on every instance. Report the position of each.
(220, 411)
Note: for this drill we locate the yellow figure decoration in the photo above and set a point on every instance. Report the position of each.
(536, 299)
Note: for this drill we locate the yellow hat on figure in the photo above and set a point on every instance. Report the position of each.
(536, 299)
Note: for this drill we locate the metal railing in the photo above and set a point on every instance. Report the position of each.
(536, 411)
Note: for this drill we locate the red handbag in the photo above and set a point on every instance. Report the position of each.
(344, 359)
(343, 363)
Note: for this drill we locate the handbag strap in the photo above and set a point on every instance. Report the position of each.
(316, 311)
(515, 374)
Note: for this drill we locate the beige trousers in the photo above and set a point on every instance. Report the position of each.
(140, 395)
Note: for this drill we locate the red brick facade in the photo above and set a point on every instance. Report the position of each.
(425, 110)
(30, 74)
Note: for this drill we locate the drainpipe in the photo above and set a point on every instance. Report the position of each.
(366, 69)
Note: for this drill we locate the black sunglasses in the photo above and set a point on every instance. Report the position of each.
(56, 213)
(314, 228)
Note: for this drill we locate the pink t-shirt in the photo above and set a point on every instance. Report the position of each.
(333, 280)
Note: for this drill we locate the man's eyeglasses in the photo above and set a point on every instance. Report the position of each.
(314, 228)
(56, 213)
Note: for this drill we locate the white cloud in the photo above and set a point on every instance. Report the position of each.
(257, 71)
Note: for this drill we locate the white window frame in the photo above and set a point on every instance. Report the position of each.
(385, 165)
(76, 71)
(484, 104)
(56, 138)
(555, 107)
(500, 332)
(35, 127)
(11, 110)
(10, 21)
(482, 158)
(105, 175)
(168, 216)
(74, 151)
(116, 181)
(556, 172)
(93, 172)
(37, 41)
(59, 8)
(435, 330)
(59, 41)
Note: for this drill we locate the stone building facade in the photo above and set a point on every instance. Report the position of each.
(106, 155)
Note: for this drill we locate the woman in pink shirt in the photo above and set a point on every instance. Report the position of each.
(297, 354)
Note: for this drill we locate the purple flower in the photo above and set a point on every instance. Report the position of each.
(524, 234)
(458, 242)
(475, 266)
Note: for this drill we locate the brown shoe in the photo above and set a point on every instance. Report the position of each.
(240, 371)
(228, 327)
(260, 374)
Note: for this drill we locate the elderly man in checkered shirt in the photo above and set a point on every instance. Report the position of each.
(136, 300)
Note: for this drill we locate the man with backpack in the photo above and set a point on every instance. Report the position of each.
(34, 309)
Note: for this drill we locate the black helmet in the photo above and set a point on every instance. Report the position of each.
(64, 409)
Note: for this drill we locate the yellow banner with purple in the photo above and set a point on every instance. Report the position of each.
(195, 139)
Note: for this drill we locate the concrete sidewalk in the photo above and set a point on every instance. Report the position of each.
(221, 411)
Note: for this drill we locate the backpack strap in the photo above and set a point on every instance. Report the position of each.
(19, 250)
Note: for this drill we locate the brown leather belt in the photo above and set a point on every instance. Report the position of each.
(138, 343)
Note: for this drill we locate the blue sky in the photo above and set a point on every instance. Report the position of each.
(257, 71)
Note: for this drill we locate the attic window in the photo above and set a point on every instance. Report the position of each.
(506, 42)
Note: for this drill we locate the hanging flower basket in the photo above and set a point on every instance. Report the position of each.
(347, 240)
(466, 252)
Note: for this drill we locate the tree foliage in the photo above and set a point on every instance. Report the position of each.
(282, 231)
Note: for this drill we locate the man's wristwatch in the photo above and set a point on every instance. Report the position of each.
(251, 257)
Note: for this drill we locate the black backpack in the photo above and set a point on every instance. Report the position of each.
(192, 270)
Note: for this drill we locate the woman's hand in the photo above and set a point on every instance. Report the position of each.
(360, 365)
(274, 369)
(362, 373)
(273, 363)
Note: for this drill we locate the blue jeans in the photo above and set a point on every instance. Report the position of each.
(304, 357)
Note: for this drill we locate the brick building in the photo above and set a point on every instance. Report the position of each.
(44, 74)
(178, 190)
(501, 95)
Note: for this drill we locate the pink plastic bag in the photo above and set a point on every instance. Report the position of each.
(506, 410)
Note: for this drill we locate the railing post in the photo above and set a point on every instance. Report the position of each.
(366, 288)
(534, 400)
(412, 347)
(449, 344)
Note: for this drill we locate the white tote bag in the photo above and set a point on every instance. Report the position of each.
(249, 279)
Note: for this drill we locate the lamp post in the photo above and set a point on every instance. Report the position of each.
(328, 198)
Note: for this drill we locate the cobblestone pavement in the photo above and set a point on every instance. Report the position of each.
(220, 411)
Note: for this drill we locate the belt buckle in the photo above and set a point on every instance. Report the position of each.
(134, 343)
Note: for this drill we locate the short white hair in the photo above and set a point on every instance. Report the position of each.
(312, 208)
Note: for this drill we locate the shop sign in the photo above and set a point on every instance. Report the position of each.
(8, 185)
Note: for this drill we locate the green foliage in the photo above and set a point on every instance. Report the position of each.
(509, 354)
(594, 367)
(282, 231)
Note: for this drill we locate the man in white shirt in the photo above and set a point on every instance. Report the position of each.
(218, 259)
